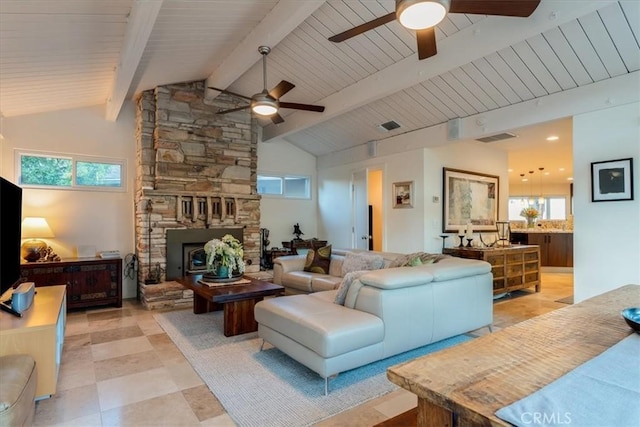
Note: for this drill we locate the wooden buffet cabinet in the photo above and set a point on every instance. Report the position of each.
(513, 267)
(90, 281)
(38, 333)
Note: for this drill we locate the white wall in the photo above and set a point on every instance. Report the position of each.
(418, 228)
(606, 234)
(97, 218)
(279, 214)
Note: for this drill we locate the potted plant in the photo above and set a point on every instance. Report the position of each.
(530, 214)
(225, 257)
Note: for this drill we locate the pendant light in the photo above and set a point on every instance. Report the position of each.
(541, 198)
(531, 199)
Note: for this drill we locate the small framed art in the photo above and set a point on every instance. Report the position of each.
(612, 180)
(403, 194)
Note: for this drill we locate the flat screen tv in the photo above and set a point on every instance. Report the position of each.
(10, 226)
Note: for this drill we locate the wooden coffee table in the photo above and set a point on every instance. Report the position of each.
(237, 301)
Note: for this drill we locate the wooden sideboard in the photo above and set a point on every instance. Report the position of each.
(513, 267)
(90, 281)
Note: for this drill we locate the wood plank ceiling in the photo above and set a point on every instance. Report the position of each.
(66, 54)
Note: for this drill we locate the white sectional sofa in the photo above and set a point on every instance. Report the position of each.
(386, 312)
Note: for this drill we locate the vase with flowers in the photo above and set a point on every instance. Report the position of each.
(530, 214)
(224, 258)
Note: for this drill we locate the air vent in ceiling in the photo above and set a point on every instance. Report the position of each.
(389, 126)
(497, 137)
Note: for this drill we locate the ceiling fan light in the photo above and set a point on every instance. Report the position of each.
(421, 14)
(264, 105)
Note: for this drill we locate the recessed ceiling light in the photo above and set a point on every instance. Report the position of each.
(524, 180)
(547, 173)
(553, 138)
(570, 178)
(561, 169)
(510, 170)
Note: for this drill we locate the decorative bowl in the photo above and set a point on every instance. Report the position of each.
(632, 317)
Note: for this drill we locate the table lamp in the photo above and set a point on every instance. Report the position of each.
(34, 229)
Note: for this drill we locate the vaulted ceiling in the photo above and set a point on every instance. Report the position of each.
(71, 53)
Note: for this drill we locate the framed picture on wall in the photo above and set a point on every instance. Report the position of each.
(469, 197)
(612, 180)
(402, 194)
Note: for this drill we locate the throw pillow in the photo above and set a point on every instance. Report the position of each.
(415, 262)
(318, 260)
(349, 278)
(410, 259)
(356, 261)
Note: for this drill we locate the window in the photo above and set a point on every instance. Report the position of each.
(550, 208)
(62, 171)
(295, 187)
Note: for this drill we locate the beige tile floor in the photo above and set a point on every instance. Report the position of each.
(119, 368)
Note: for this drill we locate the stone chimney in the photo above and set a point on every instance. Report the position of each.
(195, 170)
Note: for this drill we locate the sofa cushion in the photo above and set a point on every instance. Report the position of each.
(357, 261)
(324, 282)
(325, 328)
(318, 260)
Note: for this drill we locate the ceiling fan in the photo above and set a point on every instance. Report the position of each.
(424, 15)
(267, 103)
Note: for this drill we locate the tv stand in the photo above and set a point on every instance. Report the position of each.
(6, 306)
(38, 333)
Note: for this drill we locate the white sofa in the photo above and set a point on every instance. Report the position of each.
(386, 312)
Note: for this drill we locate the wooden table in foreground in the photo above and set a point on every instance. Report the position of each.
(476, 378)
(237, 301)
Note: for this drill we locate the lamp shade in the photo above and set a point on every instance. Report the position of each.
(421, 14)
(36, 228)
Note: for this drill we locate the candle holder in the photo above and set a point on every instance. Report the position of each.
(469, 242)
(461, 241)
(444, 237)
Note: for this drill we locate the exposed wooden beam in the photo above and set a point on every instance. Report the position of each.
(279, 22)
(481, 39)
(141, 21)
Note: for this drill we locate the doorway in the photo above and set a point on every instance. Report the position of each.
(368, 216)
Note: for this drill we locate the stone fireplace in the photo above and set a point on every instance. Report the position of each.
(196, 177)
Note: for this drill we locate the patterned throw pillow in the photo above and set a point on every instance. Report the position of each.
(318, 260)
(355, 261)
(410, 259)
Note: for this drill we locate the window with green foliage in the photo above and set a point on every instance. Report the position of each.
(69, 172)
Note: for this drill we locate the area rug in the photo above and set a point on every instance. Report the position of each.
(267, 388)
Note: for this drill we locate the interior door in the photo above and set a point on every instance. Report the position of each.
(360, 209)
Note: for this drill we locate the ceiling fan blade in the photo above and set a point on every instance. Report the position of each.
(521, 8)
(305, 107)
(230, 93)
(277, 119)
(281, 88)
(426, 43)
(233, 110)
(362, 28)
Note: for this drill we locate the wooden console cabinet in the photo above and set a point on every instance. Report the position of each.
(513, 267)
(38, 333)
(90, 282)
